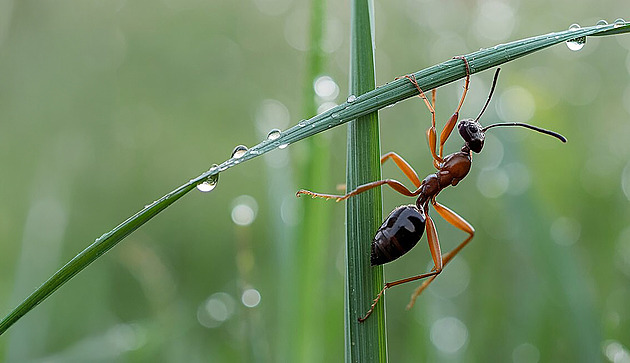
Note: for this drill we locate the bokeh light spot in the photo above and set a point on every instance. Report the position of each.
(565, 231)
(516, 104)
(218, 308)
(493, 183)
(525, 353)
(244, 210)
(251, 298)
(449, 334)
(326, 88)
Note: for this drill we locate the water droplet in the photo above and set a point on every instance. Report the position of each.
(274, 134)
(302, 123)
(351, 98)
(577, 43)
(602, 22)
(239, 151)
(210, 183)
(335, 115)
(283, 146)
(619, 22)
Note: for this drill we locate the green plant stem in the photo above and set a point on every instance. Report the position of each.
(364, 104)
(365, 342)
(313, 229)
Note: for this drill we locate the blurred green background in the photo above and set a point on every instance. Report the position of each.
(106, 106)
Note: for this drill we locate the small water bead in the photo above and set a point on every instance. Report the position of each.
(577, 43)
(210, 183)
(274, 134)
(283, 146)
(351, 98)
(602, 22)
(239, 151)
(619, 22)
(302, 123)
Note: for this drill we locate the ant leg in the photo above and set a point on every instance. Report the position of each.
(391, 284)
(448, 128)
(434, 247)
(403, 166)
(394, 184)
(460, 223)
(431, 132)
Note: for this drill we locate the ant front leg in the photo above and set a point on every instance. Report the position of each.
(458, 222)
(402, 164)
(394, 184)
(450, 124)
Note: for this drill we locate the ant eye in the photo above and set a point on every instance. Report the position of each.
(473, 129)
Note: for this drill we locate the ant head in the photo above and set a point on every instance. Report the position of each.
(472, 133)
(471, 130)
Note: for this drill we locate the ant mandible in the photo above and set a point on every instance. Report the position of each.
(403, 228)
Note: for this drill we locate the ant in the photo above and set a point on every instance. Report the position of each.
(403, 228)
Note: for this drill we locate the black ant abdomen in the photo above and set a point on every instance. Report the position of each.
(398, 234)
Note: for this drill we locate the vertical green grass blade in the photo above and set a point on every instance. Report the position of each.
(313, 229)
(365, 342)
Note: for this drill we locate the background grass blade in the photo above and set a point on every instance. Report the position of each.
(313, 230)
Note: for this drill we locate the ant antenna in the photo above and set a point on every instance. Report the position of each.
(494, 83)
(535, 128)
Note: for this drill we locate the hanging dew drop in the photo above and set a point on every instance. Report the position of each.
(210, 183)
(274, 134)
(283, 146)
(239, 151)
(577, 43)
(206, 186)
